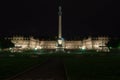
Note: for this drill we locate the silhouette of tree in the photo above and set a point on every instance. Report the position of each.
(113, 43)
(6, 44)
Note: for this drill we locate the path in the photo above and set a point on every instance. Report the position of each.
(53, 69)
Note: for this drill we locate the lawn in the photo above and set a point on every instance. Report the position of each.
(81, 67)
(78, 66)
(11, 64)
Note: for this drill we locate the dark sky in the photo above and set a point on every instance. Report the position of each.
(80, 18)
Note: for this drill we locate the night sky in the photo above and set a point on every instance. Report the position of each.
(80, 18)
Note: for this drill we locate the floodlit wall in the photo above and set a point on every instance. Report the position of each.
(88, 44)
(48, 44)
(73, 44)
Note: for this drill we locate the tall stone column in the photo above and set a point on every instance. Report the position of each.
(60, 42)
(60, 22)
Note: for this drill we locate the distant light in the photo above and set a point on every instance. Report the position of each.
(10, 48)
(35, 49)
(60, 42)
(83, 48)
(40, 47)
(110, 47)
(97, 46)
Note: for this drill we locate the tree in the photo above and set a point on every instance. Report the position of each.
(6, 44)
(113, 43)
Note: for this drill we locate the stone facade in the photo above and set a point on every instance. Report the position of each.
(90, 43)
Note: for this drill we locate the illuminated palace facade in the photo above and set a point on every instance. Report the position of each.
(98, 43)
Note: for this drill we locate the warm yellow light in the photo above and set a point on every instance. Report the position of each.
(60, 42)
(97, 46)
(83, 47)
(40, 47)
(35, 48)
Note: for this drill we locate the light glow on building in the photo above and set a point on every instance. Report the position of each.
(88, 44)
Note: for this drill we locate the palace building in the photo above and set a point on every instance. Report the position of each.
(98, 43)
